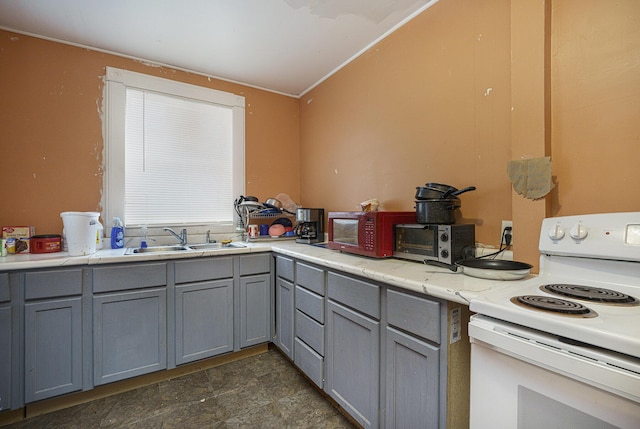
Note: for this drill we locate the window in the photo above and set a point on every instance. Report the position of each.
(174, 152)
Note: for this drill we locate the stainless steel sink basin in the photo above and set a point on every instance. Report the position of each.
(156, 249)
(215, 246)
(180, 248)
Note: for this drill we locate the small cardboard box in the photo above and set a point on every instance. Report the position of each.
(18, 231)
(21, 235)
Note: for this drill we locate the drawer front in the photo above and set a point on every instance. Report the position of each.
(255, 264)
(196, 270)
(311, 363)
(357, 294)
(284, 268)
(5, 292)
(310, 303)
(54, 283)
(310, 331)
(311, 278)
(134, 276)
(416, 315)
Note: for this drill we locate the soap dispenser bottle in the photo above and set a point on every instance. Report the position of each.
(117, 234)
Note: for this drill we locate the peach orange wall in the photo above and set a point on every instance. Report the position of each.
(51, 143)
(429, 103)
(596, 106)
(434, 102)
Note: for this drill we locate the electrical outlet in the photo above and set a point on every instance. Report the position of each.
(505, 224)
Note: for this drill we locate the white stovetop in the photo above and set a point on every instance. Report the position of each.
(417, 277)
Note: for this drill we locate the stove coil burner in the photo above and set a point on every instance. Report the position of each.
(554, 305)
(592, 294)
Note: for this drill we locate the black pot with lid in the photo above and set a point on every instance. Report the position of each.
(437, 210)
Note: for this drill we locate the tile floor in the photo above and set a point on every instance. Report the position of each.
(262, 391)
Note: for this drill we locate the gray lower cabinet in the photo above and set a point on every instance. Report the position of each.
(412, 369)
(412, 382)
(256, 303)
(255, 314)
(204, 320)
(353, 347)
(53, 333)
(6, 343)
(130, 321)
(285, 305)
(203, 308)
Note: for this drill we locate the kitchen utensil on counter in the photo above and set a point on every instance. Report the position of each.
(264, 229)
(451, 193)
(439, 190)
(437, 210)
(310, 225)
(272, 203)
(276, 230)
(493, 269)
(80, 232)
(433, 191)
(286, 222)
(242, 206)
(288, 205)
(252, 231)
(275, 204)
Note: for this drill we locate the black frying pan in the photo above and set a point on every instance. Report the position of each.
(494, 269)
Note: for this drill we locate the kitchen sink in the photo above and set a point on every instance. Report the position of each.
(215, 246)
(178, 248)
(156, 249)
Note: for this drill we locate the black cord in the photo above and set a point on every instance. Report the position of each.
(505, 239)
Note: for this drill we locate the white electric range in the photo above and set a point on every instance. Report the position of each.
(563, 349)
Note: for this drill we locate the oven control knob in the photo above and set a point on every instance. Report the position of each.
(556, 233)
(444, 254)
(444, 237)
(578, 232)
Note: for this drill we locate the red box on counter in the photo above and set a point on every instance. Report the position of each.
(22, 234)
(45, 243)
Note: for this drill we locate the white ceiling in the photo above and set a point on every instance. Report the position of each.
(286, 46)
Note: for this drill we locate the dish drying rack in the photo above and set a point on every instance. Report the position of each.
(258, 217)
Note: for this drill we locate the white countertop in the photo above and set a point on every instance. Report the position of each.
(414, 276)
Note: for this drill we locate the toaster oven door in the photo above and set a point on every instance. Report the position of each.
(416, 241)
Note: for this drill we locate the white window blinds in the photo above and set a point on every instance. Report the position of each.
(176, 151)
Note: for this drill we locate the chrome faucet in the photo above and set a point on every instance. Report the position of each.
(182, 236)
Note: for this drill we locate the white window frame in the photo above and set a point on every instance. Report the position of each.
(114, 99)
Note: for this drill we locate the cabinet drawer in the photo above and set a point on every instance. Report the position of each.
(195, 270)
(310, 331)
(416, 315)
(284, 268)
(5, 293)
(255, 264)
(310, 277)
(310, 303)
(131, 276)
(310, 362)
(50, 284)
(357, 294)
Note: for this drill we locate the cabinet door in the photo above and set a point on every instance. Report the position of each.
(353, 363)
(5, 356)
(255, 313)
(130, 331)
(53, 348)
(285, 312)
(412, 382)
(204, 320)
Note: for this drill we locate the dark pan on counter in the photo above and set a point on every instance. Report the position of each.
(494, 269)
